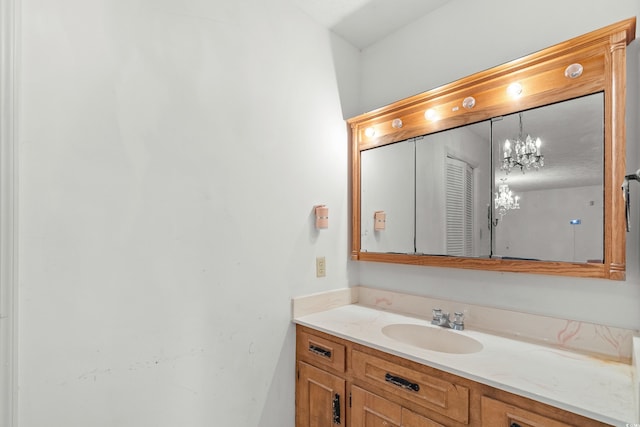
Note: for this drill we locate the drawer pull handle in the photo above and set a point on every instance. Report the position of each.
(320, 351)
(336, 409)
(514, 425)
(401, 382)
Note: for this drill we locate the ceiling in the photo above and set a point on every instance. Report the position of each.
(572, 135)
(364, 22)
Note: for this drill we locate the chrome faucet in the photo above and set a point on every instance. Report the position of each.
(442, 319)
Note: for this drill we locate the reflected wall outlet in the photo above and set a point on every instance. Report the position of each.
(321, 267)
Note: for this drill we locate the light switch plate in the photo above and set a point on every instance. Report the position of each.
(321, 267)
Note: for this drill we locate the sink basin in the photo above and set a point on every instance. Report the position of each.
(432, 338)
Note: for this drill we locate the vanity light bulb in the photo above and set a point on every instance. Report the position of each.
(469, 102)
(369, 132)
(431, 114)
(514, 90)
(573, 71)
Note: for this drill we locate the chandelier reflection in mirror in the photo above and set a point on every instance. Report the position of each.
(523, 153)
(505, 200)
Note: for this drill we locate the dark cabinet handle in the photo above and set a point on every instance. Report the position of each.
(514, 425)
(401, 382)
(320, 351)
(336, 409)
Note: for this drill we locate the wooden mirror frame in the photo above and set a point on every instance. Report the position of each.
(602, 53)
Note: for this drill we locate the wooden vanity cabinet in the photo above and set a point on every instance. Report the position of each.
(321, 386)
(341, 383)
(319, 397)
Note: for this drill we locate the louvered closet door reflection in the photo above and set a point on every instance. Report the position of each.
(459, 206)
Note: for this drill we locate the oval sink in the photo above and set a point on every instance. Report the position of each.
(432, 338)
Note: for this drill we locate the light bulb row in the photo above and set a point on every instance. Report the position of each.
(514, 90)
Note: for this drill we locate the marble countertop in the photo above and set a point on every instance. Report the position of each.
(589, 386)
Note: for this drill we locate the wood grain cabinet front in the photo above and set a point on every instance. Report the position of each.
(321, 351)
(435, 395)
(345, 384)
(497, 413)
(370, 410)
(320, 398)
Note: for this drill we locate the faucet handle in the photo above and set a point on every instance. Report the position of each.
(458, 320)
(437, 316)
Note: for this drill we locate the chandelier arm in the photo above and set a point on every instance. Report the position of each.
(520, 135)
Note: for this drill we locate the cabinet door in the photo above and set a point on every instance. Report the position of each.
(411, 419)
(319, 398)
(369, 410)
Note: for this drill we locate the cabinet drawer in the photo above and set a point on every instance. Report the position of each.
(434, 394)
(497, 413)
(321, 351)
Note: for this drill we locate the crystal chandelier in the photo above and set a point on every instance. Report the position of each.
(504, 199)
(523, 153)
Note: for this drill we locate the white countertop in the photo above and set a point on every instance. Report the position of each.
(588, 386)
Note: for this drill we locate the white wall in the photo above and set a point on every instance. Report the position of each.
(8, 293)
(464, 37)
(171, 152)
(388, 184)
(541, 229)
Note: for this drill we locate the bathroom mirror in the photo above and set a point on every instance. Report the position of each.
(453, 173)
(388, 186)
(559, 214)
(431, 191)
(427, 170)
